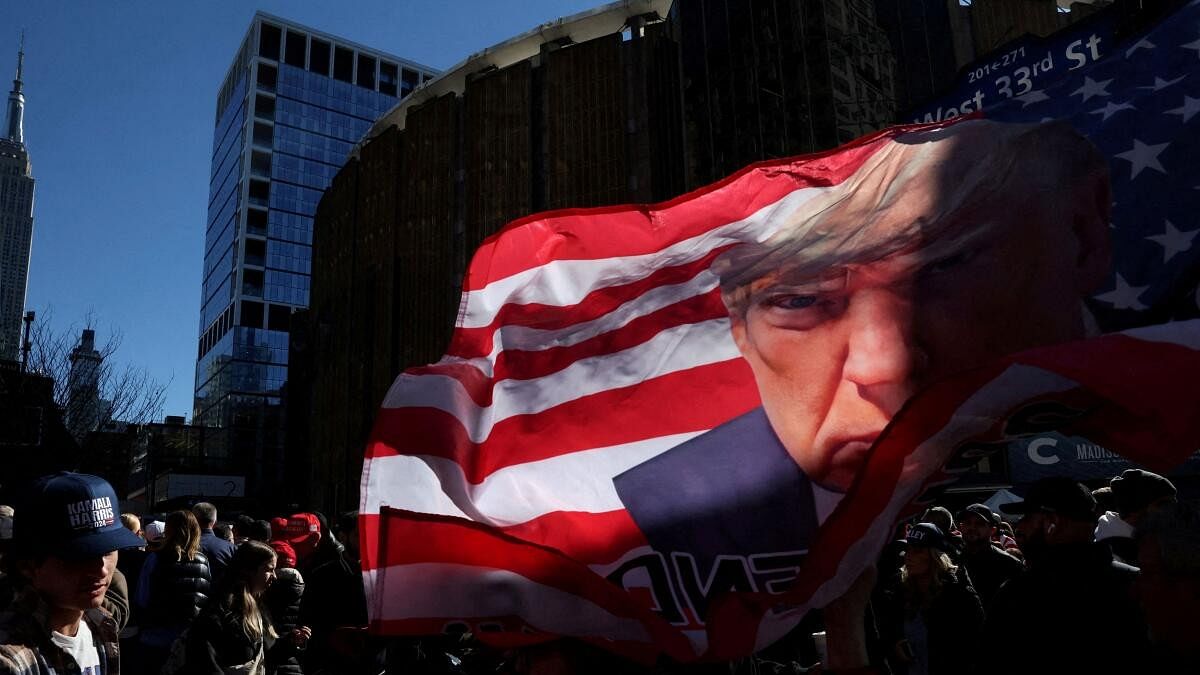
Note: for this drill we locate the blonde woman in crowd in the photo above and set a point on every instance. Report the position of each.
(235, 632)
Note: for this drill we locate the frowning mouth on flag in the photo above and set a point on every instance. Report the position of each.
(675, 429)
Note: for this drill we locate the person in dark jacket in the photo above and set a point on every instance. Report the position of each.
(335, 606)
(217, 550)
(283, 601)
(327, 548)
(986, 563)
(235, 630)
(930, 614)
(1071, 610)
(175, 584)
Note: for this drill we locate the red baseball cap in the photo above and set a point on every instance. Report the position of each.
(302, 532)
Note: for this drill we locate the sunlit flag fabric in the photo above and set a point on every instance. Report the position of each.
(557, 473)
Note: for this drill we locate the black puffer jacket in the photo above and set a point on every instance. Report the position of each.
(179, 589)
(217, 642)
(283, 599)
(283, 602)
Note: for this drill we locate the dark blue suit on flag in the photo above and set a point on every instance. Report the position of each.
(723, 493)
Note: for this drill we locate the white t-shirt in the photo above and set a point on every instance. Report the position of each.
(81, 648)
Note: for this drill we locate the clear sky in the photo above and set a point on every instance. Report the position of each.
(119, 123)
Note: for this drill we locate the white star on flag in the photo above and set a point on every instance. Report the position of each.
(1195, 44)
(1111, 109)
(1143, 156)
(1124, 296)
(1092, 88)
(1173, 241)
(1032, 97)
(1144, 43)
(1160, 83)
(1190, 107)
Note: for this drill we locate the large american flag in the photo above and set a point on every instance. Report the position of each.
(589, 341)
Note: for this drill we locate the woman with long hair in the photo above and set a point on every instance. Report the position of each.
(173, 586)
(235, 633)
(930, 616)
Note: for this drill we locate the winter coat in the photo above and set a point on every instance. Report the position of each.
(216, 641)
(1071, 612)
(283, 602)
(989, 568)
(218, 551)
(953, 622)
(173, 592)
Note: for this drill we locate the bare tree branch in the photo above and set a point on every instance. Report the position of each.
(122, 392)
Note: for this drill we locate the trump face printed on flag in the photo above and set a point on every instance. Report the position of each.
(945, 250)
(673, 429)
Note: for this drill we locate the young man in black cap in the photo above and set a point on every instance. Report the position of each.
(987, 565)
(1071, 611)
(65, 541)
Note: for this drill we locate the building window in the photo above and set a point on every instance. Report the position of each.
(260, 193)
(256, 252)
(263, 135)
(260, 164)
(295, 48)
(268, 76)
(268, 41)
(388, 76)
(256, 221)
(408, 81)
(366, 71)
(252, 312)
(343, 64)
(264, 107)
(318, 57)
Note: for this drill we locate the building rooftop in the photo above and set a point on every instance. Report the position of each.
(581, 27)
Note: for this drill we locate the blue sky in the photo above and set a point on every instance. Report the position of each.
(119, 121)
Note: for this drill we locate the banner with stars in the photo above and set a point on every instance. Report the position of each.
(1138, 100)
(1137, 97)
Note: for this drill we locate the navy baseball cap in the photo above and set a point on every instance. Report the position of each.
(927, 535)
(71, 515)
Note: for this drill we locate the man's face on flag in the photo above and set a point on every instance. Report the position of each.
(836, 356)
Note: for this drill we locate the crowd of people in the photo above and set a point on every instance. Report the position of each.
(1101, 581)
(188, 594)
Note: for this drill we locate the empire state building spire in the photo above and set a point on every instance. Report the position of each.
(14, 130)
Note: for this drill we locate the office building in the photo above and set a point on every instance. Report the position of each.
(778, 78)
(85, 411)
(16, 218)
(292, 105)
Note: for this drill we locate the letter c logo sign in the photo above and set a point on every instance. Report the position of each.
(1035, 451)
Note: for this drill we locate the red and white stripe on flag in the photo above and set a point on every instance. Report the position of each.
(589, 341)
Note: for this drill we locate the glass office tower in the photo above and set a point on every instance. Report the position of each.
(292, 105)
